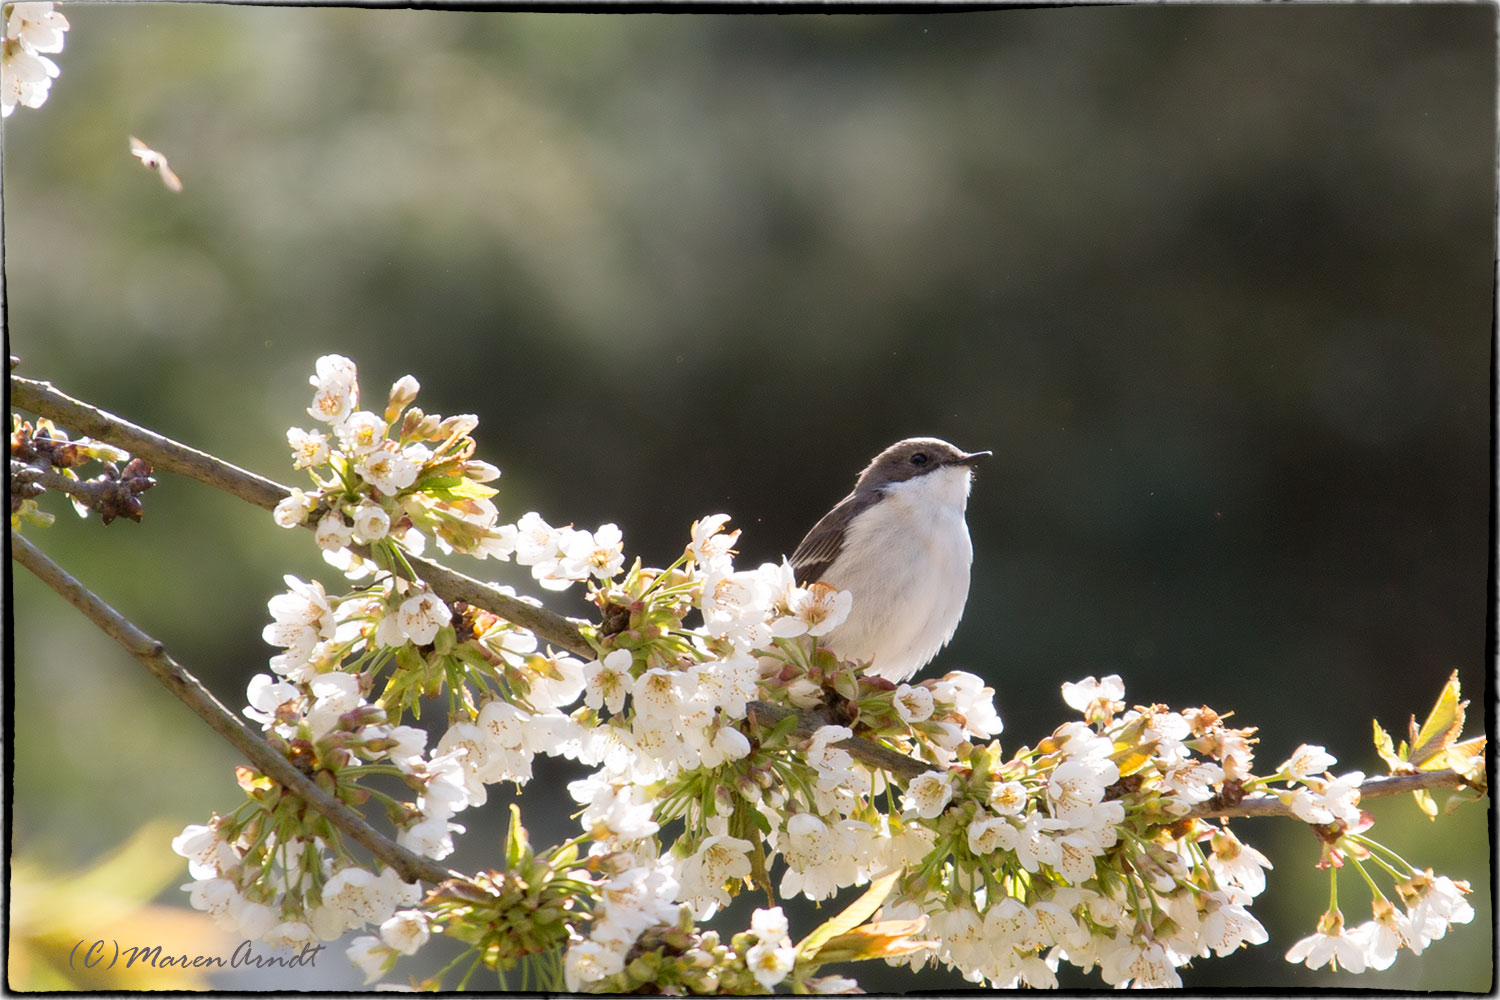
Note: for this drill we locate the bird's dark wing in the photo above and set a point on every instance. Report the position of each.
(826, 540)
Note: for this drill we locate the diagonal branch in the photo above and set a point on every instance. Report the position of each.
(165, 454)
(412, 867)
(172, 456)
(162, 452)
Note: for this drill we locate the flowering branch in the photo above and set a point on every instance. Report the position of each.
(192, 693)
(720, 752)
(163, 453)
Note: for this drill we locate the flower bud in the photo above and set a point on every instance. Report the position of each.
(644, 968)
(358, 718)
(704, 983)
(402, 393)
(747, 788)
(458, 425)
(480, 472)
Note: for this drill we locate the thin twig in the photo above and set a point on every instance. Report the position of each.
(412, 867)
(21, 472)
(164, 454)
(865, 751)
(1267, 804)
(111, 495)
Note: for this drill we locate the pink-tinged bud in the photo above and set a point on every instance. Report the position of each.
(336, 757)
(358, 718)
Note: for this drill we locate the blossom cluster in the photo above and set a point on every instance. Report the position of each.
(1431, 904)
(387, 479)
(32, 30)
(1047, 858)
(1079, 859)
(288, 891)
(703, 775)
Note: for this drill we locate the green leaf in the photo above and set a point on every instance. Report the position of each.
(432, 482)
(759, 821)
(847, 685)
(407, 657)
(99, 450)
(779, 732)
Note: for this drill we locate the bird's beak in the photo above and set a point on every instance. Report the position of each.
(971, 459)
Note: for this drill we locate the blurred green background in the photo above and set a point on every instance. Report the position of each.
(1215, 284)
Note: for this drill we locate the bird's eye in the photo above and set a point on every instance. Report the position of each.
(919, 458)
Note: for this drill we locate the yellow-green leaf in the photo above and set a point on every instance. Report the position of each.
(1425, 802)
(1469, 748)
(886, 939)
(465, 489)
(1444, 723)
(1130, 759)
(854, 914)
(779, 732)
(1385, 748)
(517, 847)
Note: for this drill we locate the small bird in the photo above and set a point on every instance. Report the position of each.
(152, 160)
(900, 545)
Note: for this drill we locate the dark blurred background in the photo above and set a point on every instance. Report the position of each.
(1214, 283)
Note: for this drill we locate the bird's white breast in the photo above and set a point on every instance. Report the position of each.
(906, 560)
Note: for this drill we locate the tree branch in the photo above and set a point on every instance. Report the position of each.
(164, 454)
(1267, 804)
(190, 691)
(21, 472)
